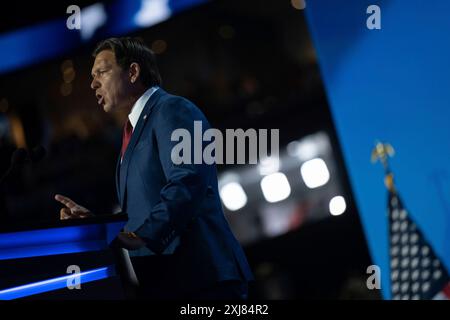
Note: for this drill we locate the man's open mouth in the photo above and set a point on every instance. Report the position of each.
(100, 99)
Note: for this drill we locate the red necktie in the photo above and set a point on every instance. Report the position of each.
(127, 132)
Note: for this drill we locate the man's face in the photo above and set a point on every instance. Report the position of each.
(110, 82)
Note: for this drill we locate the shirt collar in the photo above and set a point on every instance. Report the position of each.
(139, 106)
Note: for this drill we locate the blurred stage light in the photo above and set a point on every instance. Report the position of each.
(337, 205)
(159, 46)
(315, 173)
(233, 196)
(298, 4)
(309, 147)
(152, 12)
(69, 75)
(65, 89)
(306, 149)
(52, 38)
(275, 187)
(67, 64)
(17, 132)
(92, 18)
(269, 165)
(226, 32)
(4, 105)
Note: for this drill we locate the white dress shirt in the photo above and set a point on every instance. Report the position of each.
(139, 106)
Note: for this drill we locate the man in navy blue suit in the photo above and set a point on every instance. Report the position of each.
(179, 241)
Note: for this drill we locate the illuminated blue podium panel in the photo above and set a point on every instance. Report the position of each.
(69, 259)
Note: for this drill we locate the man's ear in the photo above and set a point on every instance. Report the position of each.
(134, 72)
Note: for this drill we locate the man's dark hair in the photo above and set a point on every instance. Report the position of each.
(128, 50)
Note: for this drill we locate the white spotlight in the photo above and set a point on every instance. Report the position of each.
(304, 150)
(269, 165)
(275, 187)
(315, 173)
(92, 18)
(233, 196)
(152, 12)
(337, 206)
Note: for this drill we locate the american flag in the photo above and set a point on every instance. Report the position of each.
(416, 271)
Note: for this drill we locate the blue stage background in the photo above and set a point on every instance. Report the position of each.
(391, 84)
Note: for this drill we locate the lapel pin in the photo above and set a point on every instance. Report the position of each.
(145, 116)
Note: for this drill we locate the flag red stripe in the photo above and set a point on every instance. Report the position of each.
(446, 290)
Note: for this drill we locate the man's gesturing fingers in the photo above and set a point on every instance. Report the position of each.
(65, 201)
(64, 214)
(72, 209)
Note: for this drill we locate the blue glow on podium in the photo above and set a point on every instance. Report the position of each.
(56, 283)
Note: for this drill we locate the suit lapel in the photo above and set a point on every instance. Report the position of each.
(118, 178)
(134, 139)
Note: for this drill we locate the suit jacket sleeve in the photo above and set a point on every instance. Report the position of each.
(186, 185)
